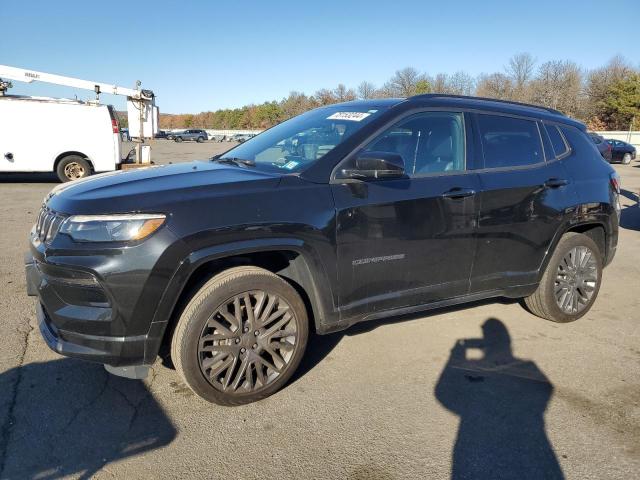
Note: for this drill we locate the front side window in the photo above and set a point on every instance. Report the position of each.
(557, 140)
(299, 142)
(431, 142)
(509, 141)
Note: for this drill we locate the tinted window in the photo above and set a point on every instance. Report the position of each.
(428, 142)
(557, 141)
(509, 142)
(580, 142)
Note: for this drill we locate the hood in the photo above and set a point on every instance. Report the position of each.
(149, 189)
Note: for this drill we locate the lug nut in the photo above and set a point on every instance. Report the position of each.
(245, 329)
(242, 350)
(237, 340)
(256, 333)
(255, 345)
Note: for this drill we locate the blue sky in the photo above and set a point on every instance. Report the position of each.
(204, 55)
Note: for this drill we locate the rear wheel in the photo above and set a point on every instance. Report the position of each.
(241, 336)
(178, 139)
(200, 139)
(570, 283)
(73, 167)
(626, 159)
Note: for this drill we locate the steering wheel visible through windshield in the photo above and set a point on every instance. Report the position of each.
(295, 144)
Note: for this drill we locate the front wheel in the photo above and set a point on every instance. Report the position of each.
(626, 159)
(73, 167)
(241, 336)
(178, 139)
(571, 281)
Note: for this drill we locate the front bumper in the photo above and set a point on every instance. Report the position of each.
(110, 351)
(98, 305)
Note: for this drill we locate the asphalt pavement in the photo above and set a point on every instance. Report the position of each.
(409, 397)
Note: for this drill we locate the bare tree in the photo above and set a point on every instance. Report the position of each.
(403, 83)
(295, 104)
(343, 94)
(440, 83)
(324, 97)
(366, 90)
(559, 85)
(520, 70)
(461, 83)
(496, 85)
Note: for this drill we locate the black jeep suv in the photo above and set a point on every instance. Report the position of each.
(350, 212)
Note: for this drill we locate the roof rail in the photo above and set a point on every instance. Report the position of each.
(468, 97)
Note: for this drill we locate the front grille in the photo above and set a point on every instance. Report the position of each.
(48, 224)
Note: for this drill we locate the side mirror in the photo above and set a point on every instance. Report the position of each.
(374, 166)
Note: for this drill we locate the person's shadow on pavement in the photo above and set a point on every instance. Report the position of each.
(501, 401)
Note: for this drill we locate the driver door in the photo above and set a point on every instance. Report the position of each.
(409, 241)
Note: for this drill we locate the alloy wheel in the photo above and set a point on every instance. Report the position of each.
(576, 280)
(248, 342)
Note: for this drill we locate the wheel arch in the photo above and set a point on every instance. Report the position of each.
(63, 155)
(287, 259)
(596, 229)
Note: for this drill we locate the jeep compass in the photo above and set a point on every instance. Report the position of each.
(347, 213)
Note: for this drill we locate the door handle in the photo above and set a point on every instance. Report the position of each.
(458, 192)
(556, 182)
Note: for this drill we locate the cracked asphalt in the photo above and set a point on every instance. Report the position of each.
(404, 398)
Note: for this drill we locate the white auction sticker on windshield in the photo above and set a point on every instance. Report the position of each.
(353, 116)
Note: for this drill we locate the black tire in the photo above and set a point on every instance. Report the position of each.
(543, 302)
(178, 139)
(200, 139)
(626, 159)
(189, 354)
(73, 167)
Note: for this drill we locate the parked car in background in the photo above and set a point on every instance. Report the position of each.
(124, 135)
(68, 137)
(603, 147)
(242, 137)
(351, 212)
(161, 134)
(217, 138)
(192, 134)
(622, 151)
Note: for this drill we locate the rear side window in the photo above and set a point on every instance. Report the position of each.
(509, 142)
(580, 142)
(560, 147)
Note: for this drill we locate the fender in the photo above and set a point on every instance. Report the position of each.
(594, 214)
(308, 272)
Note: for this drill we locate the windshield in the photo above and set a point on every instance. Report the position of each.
(295, 144)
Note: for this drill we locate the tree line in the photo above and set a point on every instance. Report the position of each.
(605, 98)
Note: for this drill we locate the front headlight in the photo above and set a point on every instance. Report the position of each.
(111, 228)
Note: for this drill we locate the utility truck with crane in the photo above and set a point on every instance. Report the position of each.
(70, 137)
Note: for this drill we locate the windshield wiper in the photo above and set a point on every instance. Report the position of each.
(234, 161)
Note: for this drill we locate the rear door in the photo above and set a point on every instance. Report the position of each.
(409, 241)
(523, 194)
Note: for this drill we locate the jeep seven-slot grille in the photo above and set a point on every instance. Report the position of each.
(48, 224)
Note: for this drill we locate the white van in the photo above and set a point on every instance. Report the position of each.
(69, 137)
